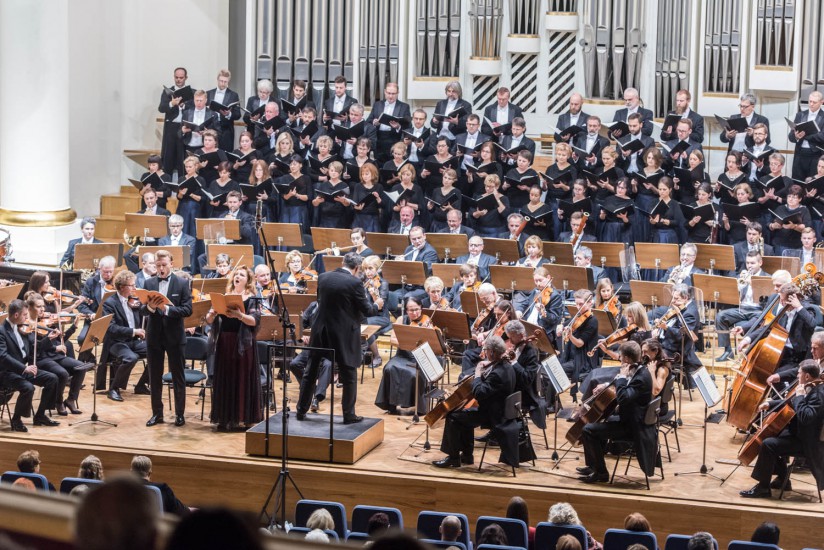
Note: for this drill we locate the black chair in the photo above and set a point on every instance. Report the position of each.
(786, 481)
(39, 480)
(650, 419)
(196, 349)
(512, 411)
(5, 402)
(667, 422)
(621, 539)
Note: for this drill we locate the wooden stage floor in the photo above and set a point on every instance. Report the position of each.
(206, 467)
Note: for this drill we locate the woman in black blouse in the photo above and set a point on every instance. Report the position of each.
(368, 210)
(486, 165)
(787, 234)
(665, 225)
(332, 212)
(243, 168)
(700, 231)
(293, 204)
(614, 215)
(490, 223)
(732, 176)
(448, 196)
(532, 210)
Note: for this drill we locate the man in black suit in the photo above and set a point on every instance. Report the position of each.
(226, 118)
(405, 222)
(142, 468)
(342, 305)
(583, 258)
(752, 244)
(682, 131)
(471, 138)
(633, 389)
(19, 373)
(801, 438)
(632, 162)
(165, 335)
(418, 251)
(502, 111)
(299, 99)
(756, 170)
(633, 105)
(234, 200)
(806, 254)
(454, 125)
(418, 150)
(513, 223)
(686, 268)
(671, 334)
(805, 157)
(151, 209)
(125, 338)
(93, 291)
(338, 103)
(744, 140)
(388, 135)
(256, 103)
(148, 270)
(265, 139)
(575, 221)
(477, 257)
(177, 237)
(347, 148)
(527, 367)
(199, 113)
(682, 109)
(593, 143)
(516, 139)
(575, 116)
(87, 226)
(454, 226)
(494, 381)
(171, 149)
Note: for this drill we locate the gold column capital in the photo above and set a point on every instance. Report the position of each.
(36, 218)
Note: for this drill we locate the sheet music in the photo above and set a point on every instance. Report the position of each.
(706, 386)
(555, 373)
(430, 366)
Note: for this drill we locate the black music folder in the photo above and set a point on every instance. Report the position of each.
(739, 124)
(185, 93)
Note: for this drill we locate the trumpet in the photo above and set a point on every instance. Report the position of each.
(677, 275)
(745, 278)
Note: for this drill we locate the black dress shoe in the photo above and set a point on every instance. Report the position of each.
(179, 420)
(595, 477)
(300, 416)
(467, 459)
(84, 367)
(584, 470)
(43, 420)
(352, 419)
(484, 438)
(778, 482)
(757, 491)
(726, 356)
(18, 426)
(448, 462)
(315, 405)
(142, 389)
(72, 406)
(61, 409)
(154, 420)
(114, 395)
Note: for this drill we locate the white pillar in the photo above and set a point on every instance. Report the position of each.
(34, 126)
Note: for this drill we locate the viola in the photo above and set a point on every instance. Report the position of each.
(544, 296)
(617, 336)
(306, 275)
(483, 315)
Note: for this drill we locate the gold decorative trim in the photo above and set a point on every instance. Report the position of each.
(563, 13)
(527, 36)
(444, 79)
(34, 218)
(472, 58)
(616, 102)
(778, 68)
(720, 95)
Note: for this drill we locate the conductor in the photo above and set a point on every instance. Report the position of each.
(342, 304)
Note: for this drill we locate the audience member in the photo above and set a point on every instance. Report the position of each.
(638, 546)
(517, 509)
(103, 521)
(215, 529)
(377, 525)
(766, 533)
(24, 483)
(398, 541)
(701, 541)
(91, 468)
(321, 519)
(450, 529)
(568, 542)
(142, 467)
(562, 513)
(80, 491)
(637, 522)
(317, 535)
(492, 534)
(29, 463)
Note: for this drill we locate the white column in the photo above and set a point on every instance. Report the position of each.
(34, 125)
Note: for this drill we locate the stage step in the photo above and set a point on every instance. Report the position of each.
(140, 156)
(109, 226)
(116, 204)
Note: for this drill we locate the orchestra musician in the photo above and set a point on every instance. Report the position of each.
(418, 251)
(454, 225)
(377, 290)
(579, 336)
(802, 437)
(93, 291)
(527, 370)
(682, 273)
(787, 372)
(264, 289)
(668, 329)
(177, 237)
(660, 368)
(477, 257)
(87, 226)
(544, 306)
(295, 277)
(469, 283)
(481, 327)
(148, 269)
(435, 298)
(633, 388)
(223, 265)
(754, 242)
(494, 381)
(575, 221)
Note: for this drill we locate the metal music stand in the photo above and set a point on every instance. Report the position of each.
(650, 293)
(715, 257)
(410, 338)
(387, 244)
(717, 290)
(542, 343)
(504, 250)
(657, 256)
(87, 256)
(278, 259)
(762, 287)
(606, 322)
(605, 254)
(568, 277)
(448, 246)
(559, 253)
(9, 293)
(511, 278)
(404, 272)
(709, 392)
(330, 237)
(448, 273)
(94, 336)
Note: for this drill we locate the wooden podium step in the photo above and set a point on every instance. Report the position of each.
(116, 204)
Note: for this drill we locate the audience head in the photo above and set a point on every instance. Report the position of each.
(91, 468)
(517, 508)
(766, 533)
(493, 534)
(701, 541)
(563, 513)
(636, 521)
(450, 528)
(24, 484)
(568, 542)
(215, 528)
(142, 466)
(29, 462)
(316, 535)
(320, 519)
(377, 524)
(398, 541)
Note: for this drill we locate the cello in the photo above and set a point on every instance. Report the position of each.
(773, 424)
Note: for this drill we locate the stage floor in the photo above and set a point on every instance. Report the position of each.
(205, 466)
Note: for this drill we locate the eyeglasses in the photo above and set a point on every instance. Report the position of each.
(744, 105)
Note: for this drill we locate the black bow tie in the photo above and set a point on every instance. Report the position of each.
(161, 279)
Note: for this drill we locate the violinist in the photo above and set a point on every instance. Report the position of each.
(125, 341)
(494, 381)
(93, 291)
(377, 291)
(660, 368)
(295, 277)
(223, 265)
(51, 357)
(477, 258)
(800, 438)
(481, 327)
(435, 298)
(634, 314)
(633, 388)
(397, 387)
(265, 289)
(668, 329)
(544, 306)
(527, 367)
(579, 336)
(469, 283)
(606, 299)
(583, 258)
(39, 282)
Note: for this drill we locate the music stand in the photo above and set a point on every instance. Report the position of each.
(410, 338)
(271, 328)
(542, 343)
(94, 336)
(404, 272)
(447, 273)
(604, 254)
(709, 392)
(298, 302)
(146, 225)
(715, 257)
(9, 293)
(554, 372)
(330, 237)
(207, 286)
(717, 290)
(606, 322)
(650, 293)
(387, 244)
(284, 234)
(216, 228)
(106, 296)
(762, 287)
(332, 262)
(512, 278)
(471, 303)
(244, 253)
(771, 264)
(657, 256)
(87, 256)
(559, 253)
(198, 316)
(448, 246)
(176, 252)
(279, 260)
(569, 277)
(453, 324)
(504, 250)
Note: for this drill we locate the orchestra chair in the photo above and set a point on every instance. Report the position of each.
(650, 419)
(356, 536)
(5, 405)
(548, 533)
(69, 483)
(39, 480)
(300, 532)
(747, 545)
(512, 411)
(429, 522)
(444, 544)
(305, 507)
(362, 512)
(667, 422)
(196, 349)
(679, 542)
(786, 481)
(515, 529)
(621, 539)
(499, 547)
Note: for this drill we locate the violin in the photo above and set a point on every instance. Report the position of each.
(373, 286)
(266, 291)
(306, 275)
(612, 305)
(483, 315)
(617, 336)
(51, 294)
(577, 322)
(423, 322)
(473, 287)
(509, 355)
(28, 328)
(545, 294)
